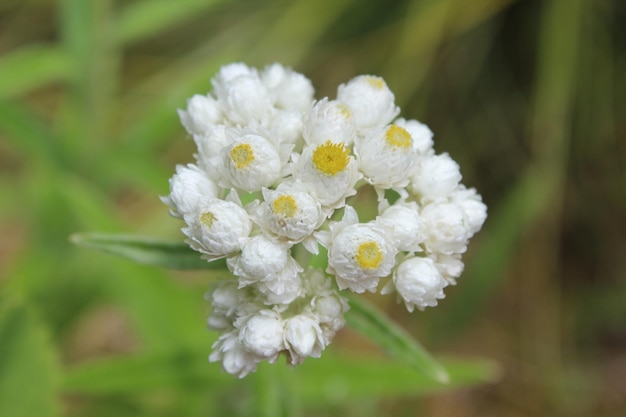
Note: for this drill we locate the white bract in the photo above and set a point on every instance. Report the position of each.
(218, 228)
(370, 100)
(296, 163)
(328, 172)
(419, 283)
(387, 156)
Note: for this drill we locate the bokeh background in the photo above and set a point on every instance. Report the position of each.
(528, 96)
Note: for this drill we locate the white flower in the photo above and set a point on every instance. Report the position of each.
(225, 299)
(218, 228)
(406, 223)
(236, 360)
(289, 213)
(262, 334)
(386, 156)
(473, 207)
(228, 73)
(419, 283)
(209, 145)
(371, 101)
(203, 112)
(249, 163)
(244, 99)
(289, 89)
(303, 338)
(286, 127)
(261, 258)
(328, 172)
(359, 255)
(329, 120)
(450, 266)
(446, 228)
(189, 188)
(283, 287)
(436, 177)
(421, 134)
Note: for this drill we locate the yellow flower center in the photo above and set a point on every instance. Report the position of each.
(331, 158)
(285, 205)
(376, 82)
(207, 218)
(369, 255)
(242, 155)
(398, 137)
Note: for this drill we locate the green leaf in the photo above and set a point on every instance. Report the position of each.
(27, 365)
(148, 251)
(333, 378)
(134, 374)
(366, 319)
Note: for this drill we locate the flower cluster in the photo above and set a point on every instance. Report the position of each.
(274, 169)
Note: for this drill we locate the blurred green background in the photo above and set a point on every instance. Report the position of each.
(528, 96)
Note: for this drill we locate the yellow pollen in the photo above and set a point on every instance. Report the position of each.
(331, 158)
(285, 205)
(376, 82)
(242, 155)
(398, 137)
(207, 218)
(369, 255)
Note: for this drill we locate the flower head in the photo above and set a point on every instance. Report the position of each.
(295, 162)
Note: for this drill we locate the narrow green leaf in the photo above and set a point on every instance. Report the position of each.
(27, 366)
(366, 319)
(148, 251)
(333, 378)
(134, 374)
(31, 67)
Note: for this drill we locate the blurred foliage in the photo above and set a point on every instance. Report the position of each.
(528, 96)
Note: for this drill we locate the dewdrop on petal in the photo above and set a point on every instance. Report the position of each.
(419, 283)
(189, 188)
(328, 172)
(372, 103)
(218, 228)
(386, 156)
